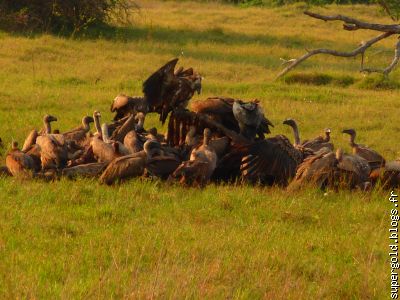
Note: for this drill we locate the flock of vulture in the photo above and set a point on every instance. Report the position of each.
(218, 140)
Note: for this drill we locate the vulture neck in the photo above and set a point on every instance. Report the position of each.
(97, 123)
(104, 133)
(206, 139)
(327, 137)
(296, 134)
(85, 124)
(352, 139)
(47, 127)
(140, 123)
(339, 154)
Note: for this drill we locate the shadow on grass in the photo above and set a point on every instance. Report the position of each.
(176, 36)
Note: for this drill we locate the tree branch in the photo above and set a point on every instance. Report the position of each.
(389, 68)
(354, 24)
(355, 52)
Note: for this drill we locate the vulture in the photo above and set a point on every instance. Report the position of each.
(18, 163)
(319, 142)
(271, 161)
(119, 129)
(124, 106)
(84, 170)
(120, 146)
(30, 141)
(249, 117)
(47, 119)
(201, 165)
(353, 171)
(86, 154)
(132, 142)
(218, 114)
(53, 152)
(103, 149)
(161, 162)
(166, 90)
(131, 165)
(329, 169)
(388, 175)
(374, 159)
(316, 170)
(315, 144)
(240, 116)
(78, 135)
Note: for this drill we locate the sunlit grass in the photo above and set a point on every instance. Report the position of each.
(77, 239)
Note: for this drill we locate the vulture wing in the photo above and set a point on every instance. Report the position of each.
(271, 161)
(123, 167)
(154, 86)
(162, 166)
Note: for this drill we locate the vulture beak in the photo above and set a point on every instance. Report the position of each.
(288, 122)
(197, 84)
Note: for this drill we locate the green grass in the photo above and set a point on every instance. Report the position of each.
(78, 239)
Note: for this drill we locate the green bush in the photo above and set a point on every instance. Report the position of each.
(378, 82)
(319, 79)
(56, 15)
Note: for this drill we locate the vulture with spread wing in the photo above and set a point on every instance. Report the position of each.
(166, 90)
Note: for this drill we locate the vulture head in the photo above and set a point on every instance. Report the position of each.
(328, 132)
(49, 118)
(290, 122)
(14, 145)
(196, 83)
(87, 120)
(249, 117)
(350, 132)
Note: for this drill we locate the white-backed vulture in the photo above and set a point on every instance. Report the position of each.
(201, 165)
(124, 106)
(131, 165)
(78, 135)
(353, 171)
(53, 153)
(30, 140)
(121, 147)
(388, 175)
(374, 159)
(315, 144)
(132, 142)
(18, 163)
(317, 170)
(84, 170)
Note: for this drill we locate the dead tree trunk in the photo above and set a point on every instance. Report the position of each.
(351, 24)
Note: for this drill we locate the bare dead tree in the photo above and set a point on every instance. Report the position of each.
(351, 24)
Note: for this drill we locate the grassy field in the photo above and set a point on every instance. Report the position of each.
(78, 239)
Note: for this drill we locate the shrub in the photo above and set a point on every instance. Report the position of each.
(378, 82)
(56, 15)
(318, 79)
